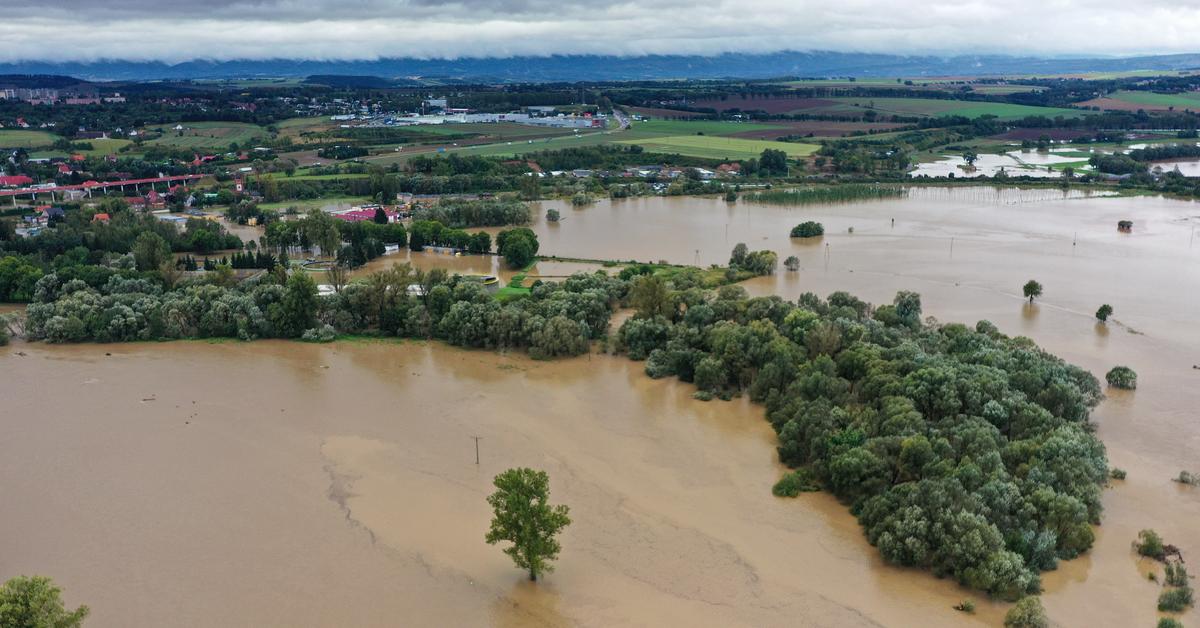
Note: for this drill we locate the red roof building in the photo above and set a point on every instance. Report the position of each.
(100, 218)
(14, 181)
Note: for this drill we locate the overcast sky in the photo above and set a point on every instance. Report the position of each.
(170, 30)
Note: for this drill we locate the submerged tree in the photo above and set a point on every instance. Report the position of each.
(1032, 290)
(808, 229)
(1121, 377)
(518, 246)
(1027, 613)
(523, 518)
(34, 602)
(1150, 544)
(1104, 312)
(792, 263)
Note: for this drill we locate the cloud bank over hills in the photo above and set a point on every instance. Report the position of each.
(172, 31)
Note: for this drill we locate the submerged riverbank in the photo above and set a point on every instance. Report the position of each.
(684, 484)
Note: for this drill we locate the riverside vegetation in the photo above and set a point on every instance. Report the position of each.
(960, 450)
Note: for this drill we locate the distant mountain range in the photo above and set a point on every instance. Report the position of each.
(611, 68)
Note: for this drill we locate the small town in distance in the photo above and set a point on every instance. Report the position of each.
(587, 317)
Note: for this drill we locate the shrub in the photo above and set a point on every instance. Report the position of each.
(1150, 544)
(1121, 377)
(325, 333)
(966, 606)
(1175, 600)
(1186, 477)
(552, 215)
(1116, 474)
(808, 229)
(1027, 613)
(1177, 575)
(794, 483)
(1167, 622)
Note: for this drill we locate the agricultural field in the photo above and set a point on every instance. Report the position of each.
(659, 128)
(656, 112)
(692, 138)
(207, 135)
(325, 177)
(937, 107)
(106, 146)
(941, 85)
(1150, 101)
(25, 138)
(857, 106)
(718, 147)
(818, 129)
(497, 130)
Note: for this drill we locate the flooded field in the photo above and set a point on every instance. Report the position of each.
(273, 483)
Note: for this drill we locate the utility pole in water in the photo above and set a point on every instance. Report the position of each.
(477, 448)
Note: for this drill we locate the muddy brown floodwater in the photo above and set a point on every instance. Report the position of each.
(272, 483)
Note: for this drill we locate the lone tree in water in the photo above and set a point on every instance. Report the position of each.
(1104, 312)
(35, 602)
(523, 518)
(1032, 289)
(1121, 377)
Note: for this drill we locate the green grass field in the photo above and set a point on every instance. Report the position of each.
(25, 138)
(324, 177)
(108, 146)
(1189, 100)
(716, 147)
(208, 135)
(664, 128)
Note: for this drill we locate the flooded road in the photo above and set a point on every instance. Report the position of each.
(272, 483)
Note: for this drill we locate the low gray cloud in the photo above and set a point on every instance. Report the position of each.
(368, 29)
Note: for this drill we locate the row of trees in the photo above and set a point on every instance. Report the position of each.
(557, 319)
(481, 213)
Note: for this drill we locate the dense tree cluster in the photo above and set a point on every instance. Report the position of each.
(756, 262)
(433, 233)
(808, 229)
(1116, 163)
(482, 213)
(518, 246)
(961, 451)
(557, 319)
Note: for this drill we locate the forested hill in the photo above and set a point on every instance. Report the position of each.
(597, 67)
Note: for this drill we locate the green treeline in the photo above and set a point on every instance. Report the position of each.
(483, 213)
(961, 451)
(828, 194)
(556, 319)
